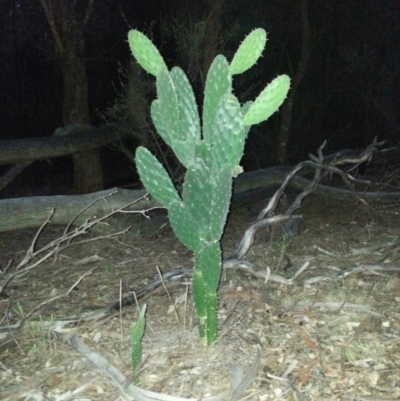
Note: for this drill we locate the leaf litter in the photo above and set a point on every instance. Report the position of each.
(325, 337)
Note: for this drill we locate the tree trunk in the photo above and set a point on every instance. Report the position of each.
(68, 33)
(88, 174)
(75, 91)
(287, 107)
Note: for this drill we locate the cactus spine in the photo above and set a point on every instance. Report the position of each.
(211, 155)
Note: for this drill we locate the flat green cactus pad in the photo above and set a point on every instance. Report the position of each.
(146, 54)
(249, 51)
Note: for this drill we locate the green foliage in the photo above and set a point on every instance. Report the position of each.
(249, 52)
(211, 156)
(268, 101)
(204, 287)
(228, 135)
(146, 54)
(218, 83)
(136, 333)
(155, 178)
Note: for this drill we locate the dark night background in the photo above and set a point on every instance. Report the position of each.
(349, 92)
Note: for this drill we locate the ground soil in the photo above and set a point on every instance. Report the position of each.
(322, 338)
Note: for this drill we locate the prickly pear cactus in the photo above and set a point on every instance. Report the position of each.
(211, 155)
(248, 52)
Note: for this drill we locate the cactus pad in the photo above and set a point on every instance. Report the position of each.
(218, 83)
(248, 52)
(229, 134)
(155, 178)
(268, 101)
(146, 54)
(184, 225)
(188, 113)
(165, 109)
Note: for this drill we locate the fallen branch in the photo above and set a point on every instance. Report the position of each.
(56, 246)
(266, 217)
(248, 187)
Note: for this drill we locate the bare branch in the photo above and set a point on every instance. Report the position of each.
(58, 245)
(50, 19)
(266, 216)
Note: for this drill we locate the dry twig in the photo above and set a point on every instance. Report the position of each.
(54, 248)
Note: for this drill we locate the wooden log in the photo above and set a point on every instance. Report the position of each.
(249, 187)
(22, 150)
